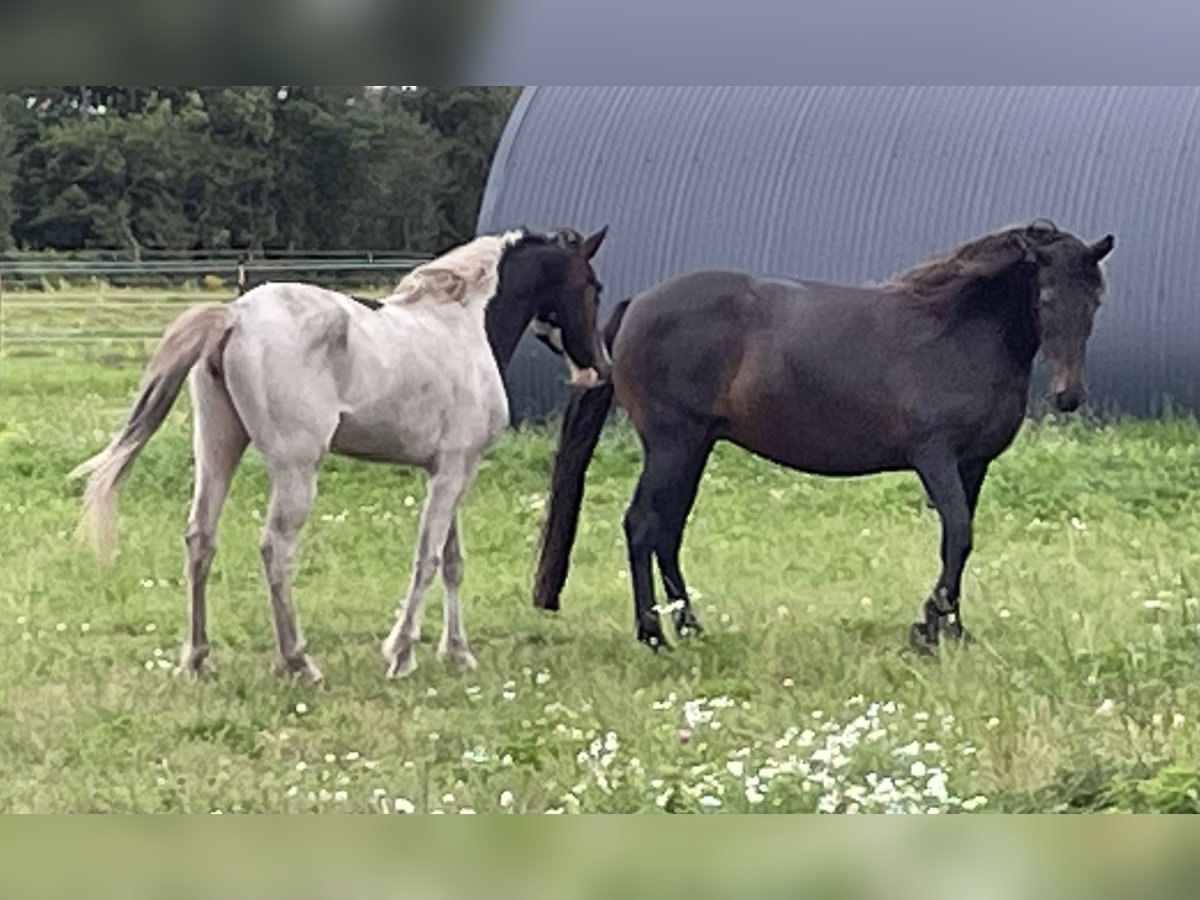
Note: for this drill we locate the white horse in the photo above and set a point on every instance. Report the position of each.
(416, 379)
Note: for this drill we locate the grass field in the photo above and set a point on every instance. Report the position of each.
(1081, 693)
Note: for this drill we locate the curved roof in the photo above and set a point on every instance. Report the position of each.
(854, 183)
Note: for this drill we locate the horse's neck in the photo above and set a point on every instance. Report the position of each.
(1009, 303)
(505, 320)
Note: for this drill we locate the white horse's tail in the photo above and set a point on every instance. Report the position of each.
(197, 332)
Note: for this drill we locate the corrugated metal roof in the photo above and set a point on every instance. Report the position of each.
(854, 183)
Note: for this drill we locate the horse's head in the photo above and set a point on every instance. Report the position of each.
(1070, 284)
(565, 315)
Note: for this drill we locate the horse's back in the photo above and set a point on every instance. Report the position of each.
(294, 317)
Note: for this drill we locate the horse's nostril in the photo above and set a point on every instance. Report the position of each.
(1068, 400)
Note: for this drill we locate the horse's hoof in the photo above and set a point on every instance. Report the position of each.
(958, 634)
(656, 641)
(301, 668)
(919, 639)
(401, 665)
(458, 654)
(193, 662)
(688, 626)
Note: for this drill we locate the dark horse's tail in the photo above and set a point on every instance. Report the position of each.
(581, 425)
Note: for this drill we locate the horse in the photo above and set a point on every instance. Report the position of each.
(928, 371)
(300, 371)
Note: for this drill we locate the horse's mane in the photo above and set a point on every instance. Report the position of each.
(944, 276)
(468, 272)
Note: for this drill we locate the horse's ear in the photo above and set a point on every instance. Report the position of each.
(1103, 247)
(1025, 248)
(593, 242)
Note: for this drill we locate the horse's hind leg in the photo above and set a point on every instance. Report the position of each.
(218, 441)
(687, 459)
(293, 489)
(673, 459)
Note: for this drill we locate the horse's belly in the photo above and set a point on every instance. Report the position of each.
(417, 426)
(823, 454)
(834, 435)
(385, 440)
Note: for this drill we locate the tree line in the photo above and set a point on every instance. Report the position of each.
(254, 168)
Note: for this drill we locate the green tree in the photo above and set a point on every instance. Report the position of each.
(318, 171)
(109, 181)
(9, 162)
(396, 202)
(254, 167)
(241, 167)
(470, 121)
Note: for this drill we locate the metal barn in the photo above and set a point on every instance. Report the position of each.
(854, 183)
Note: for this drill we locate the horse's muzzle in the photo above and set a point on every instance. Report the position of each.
(587, 378)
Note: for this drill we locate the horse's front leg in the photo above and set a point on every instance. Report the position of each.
(446, 486)
(953, 491)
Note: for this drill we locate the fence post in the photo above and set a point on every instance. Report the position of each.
(241, 274)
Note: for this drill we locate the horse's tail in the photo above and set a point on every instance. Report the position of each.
(581, 425)
(198, 331)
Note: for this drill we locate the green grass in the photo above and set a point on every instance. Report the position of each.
(1081, 692)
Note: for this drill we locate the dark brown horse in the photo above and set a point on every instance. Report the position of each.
(927, 372)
